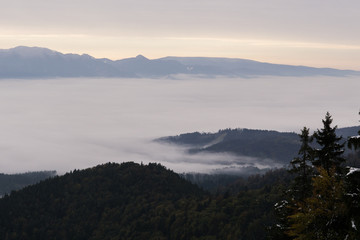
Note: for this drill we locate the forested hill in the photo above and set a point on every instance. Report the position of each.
(247, 142)
(132, 201)
(278, 146)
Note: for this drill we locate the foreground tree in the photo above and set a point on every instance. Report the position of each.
(330, 153)
(301, 167)
(323, 216)
(299, 190)
(327, 207)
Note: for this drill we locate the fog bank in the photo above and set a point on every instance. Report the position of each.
(63, 124)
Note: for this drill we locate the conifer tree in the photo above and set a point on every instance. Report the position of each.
(299, 190)
(323, 216)
(301, 167)
(329, 154)
(278, 231)
(330, 210)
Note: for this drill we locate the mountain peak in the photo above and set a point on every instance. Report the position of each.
(141, 57)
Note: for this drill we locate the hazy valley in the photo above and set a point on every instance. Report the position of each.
(173, 173)
(179, 120)
(63, 124)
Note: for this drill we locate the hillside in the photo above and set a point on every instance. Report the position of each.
(35, 62)
(263, 144)
(274, 145)
(132, 201)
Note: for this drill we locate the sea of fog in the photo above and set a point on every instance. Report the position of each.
(66, 124)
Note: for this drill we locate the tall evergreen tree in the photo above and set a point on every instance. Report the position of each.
(329, 210)
(322, 216)
(301, 167)
(299, 190)
(329, 154)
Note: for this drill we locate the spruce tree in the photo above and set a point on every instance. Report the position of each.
(301, 167)
(330, 211)
(299, 190)
(329, 154)
(322, 216)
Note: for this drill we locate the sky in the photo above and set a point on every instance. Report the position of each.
(66, 124)
(319, 33)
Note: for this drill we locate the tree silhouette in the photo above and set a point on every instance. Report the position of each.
(329, 154)
(301, 167)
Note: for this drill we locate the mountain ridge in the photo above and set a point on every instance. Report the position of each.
(37, 62)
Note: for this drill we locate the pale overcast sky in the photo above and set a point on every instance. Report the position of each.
(322, 33)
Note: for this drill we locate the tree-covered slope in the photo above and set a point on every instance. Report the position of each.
(132, 201)
(74, 205)
(278, 146)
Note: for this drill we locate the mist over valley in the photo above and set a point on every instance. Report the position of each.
(179, 120)
(63, 124)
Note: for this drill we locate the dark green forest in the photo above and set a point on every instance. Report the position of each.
(317, 197)
(133, 201)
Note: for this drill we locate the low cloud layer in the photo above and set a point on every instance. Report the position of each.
(63, 124)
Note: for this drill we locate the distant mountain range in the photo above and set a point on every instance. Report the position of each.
(280, 147)
(35, 62)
